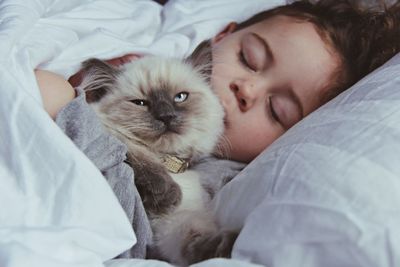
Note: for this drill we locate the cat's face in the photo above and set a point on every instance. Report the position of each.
(164, 104)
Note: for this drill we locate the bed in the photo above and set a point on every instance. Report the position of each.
(327, 193)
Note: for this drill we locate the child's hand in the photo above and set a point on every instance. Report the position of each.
(124, 59)
(76, 79)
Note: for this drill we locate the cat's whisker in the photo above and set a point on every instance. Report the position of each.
(223, 147)
(224, 62)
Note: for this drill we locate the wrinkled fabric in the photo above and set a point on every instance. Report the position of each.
(81, 124)
(327, 192)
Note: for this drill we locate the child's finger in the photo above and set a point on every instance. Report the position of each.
(123, 59)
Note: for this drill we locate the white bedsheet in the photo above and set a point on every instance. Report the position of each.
(56, 208)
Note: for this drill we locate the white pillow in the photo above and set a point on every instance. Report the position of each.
(327, 193)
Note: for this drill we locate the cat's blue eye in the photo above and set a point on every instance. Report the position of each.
(180, 97)
(139, 102)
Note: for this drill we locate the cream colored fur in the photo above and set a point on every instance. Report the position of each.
(202, 127)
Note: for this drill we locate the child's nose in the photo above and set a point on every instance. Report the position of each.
(245, 93)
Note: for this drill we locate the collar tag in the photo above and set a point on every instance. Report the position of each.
(175, 164)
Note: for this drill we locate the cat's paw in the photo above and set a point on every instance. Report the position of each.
(159, 193)
(203, 246)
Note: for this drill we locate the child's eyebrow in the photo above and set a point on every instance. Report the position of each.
(265, 44)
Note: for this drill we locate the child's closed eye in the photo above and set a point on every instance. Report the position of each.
(273, 112)
(245, 61)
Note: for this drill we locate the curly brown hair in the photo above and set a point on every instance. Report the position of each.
(363, 39)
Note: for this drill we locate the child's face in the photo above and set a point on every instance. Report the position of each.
(268, 77)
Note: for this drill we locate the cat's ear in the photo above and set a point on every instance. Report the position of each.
(201, 59)
(99, 78)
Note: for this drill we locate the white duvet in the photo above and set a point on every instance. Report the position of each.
(56, 208)
(326, 194)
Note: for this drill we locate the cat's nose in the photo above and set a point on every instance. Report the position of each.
(166, 117)
(164, 112)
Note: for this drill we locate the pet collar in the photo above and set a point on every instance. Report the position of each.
(175, 164)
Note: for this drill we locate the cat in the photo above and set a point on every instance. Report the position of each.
(165, 112)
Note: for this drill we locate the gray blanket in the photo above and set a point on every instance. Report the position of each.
(80, 123)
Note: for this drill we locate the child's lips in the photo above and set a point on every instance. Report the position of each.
(228, 110)
(226, 120)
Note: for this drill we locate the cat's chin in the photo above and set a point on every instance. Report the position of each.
(166, 143)
(164, 130)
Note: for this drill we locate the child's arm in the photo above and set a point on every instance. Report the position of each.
(55, 90)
